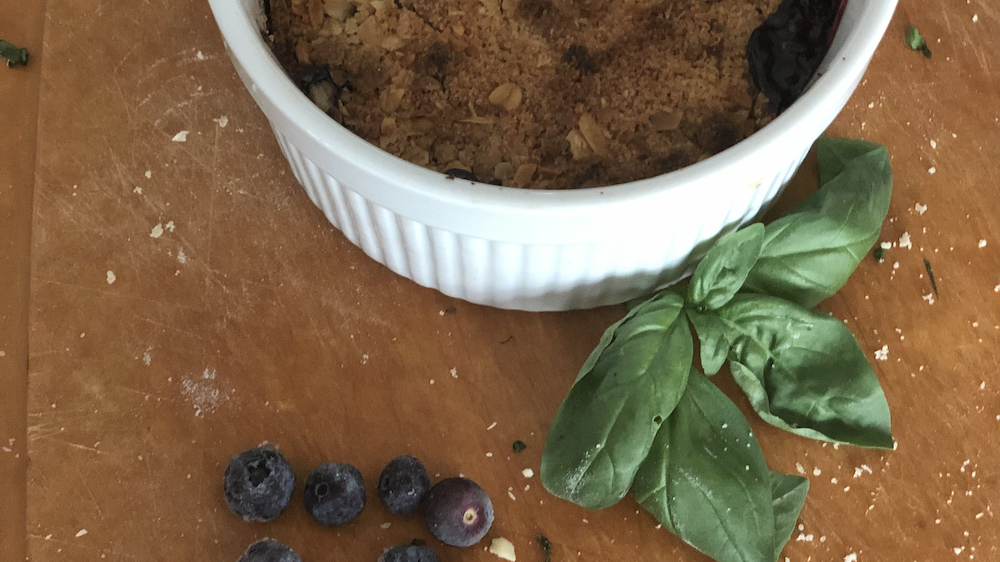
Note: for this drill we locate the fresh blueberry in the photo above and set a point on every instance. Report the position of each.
(458, 512)
(403, 484)
(408, 553)
(335, 494)
(258, 484)
(269, 550)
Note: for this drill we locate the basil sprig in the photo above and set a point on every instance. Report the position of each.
(641, 417)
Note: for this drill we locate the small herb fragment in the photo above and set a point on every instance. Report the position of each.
(546, 547)
(14, 55)
(916, 41)
(879, 254)
(930, 275)
(518, 446)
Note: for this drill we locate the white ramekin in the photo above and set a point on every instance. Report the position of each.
(531, 249)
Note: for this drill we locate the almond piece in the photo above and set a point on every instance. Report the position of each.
(339, 10)
(302, 52)
(316, 13)
(507, 95)
(594, 134)
(523, 175)
(664, 121)
(578, 145)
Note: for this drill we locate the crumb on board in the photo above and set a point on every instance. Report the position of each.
(882, 354)
(182, 136)
(503, 549)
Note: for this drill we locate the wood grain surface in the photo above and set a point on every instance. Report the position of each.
(154, 356)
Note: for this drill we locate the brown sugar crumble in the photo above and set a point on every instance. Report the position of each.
(542, 94)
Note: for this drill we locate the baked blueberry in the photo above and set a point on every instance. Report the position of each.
(335, 494)
(402, 484)
(408, 553)
(258, 483)
(269, 550)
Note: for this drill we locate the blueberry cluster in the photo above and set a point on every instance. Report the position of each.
(259, 483)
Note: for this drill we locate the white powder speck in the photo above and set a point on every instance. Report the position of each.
(510, 494)
(157, 231)
(503, 549)
(996, 289)
(932, 170)
(904, 241)
(199, 56)
(804, 537)
(975, 18)
(817, 471)
(80, 533)
(489, 455)
(882, 354)
(454, 373)
(833, 480)
(933, 143)
(958, 550)
(929, 297)
(979, 515)
(432, 382)
(921, 209)
(852, 557)
(982, 243)
(800, 468)
(386, 525)
(137, 190)
(528, 473)
(181, 257)
(111, 277)
(147, 356)
(886, 245)
(203, 394)
(170, 226)
(982, 385)
(149, 174)
(181, 136)
(491, 426)
(222, 121)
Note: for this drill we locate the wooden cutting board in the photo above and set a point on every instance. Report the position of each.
(155, 356)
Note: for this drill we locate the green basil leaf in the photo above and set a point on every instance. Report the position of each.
(724, 269)
(706, 480)
(789, 495)
(628, 386)
(804, 372)
(714, 337)
(810, 253)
